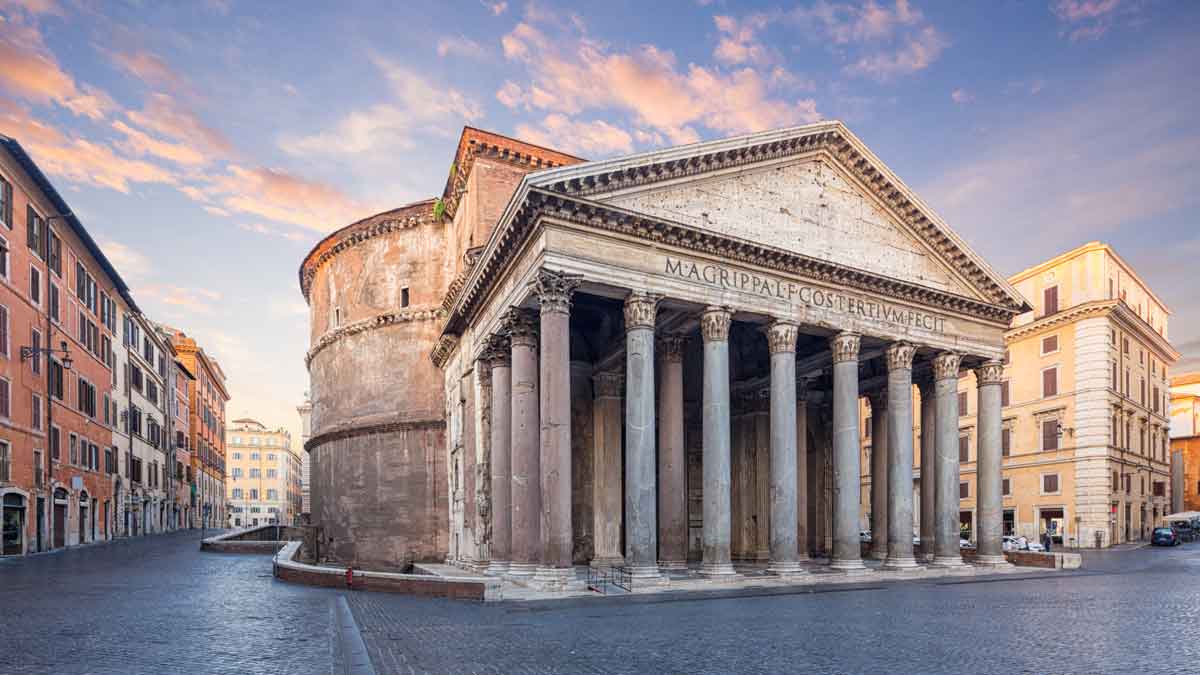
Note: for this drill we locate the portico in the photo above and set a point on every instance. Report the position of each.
(729, 303)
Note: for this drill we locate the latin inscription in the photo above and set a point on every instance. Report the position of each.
(810, 296)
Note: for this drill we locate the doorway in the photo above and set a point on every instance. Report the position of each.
(13, 525)
(60, 518)
(1054, 522)
(83, 517)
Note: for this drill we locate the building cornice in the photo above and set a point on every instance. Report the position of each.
(371, 323)
(380, 428)
(1089, 247)
(404, 218)
(1129, 321)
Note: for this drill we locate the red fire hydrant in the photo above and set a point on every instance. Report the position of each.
(350, 577)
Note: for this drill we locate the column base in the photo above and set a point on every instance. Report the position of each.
(786, 568)
(761, 556)
(551, 578)
(952, 561)
(521, 570)
(719, 570)
(496, 568)
(645, 575)
(607, 561)
(902, 563)
(849, 566)
(877, 555)
(993, 561)
(672, 565)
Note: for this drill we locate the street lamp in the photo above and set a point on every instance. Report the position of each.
(30, 352)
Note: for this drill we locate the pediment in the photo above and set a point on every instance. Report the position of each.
(814, 190)
(807, 206)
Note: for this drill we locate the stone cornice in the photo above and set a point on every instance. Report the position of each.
(372, 323)
(537, 204)
(403, 218)
(831, 137)
(1128, 318)
(379, 428)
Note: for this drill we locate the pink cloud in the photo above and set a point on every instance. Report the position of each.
(916, 54)
(149, 68)
(29, 71)
(282, 197)
(962, 96)
(891, 40)
(847, 23)
(462, 46)
(1089, 19)
(588, 138)
(739, 41)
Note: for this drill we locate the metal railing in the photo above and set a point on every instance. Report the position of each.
(604, 579)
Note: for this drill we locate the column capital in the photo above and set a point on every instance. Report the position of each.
(900, 356)
(641, 309)
(608, 384)
(670, 347)
(554, 290)
(521, 327)
(498, 352)
(781, 337)
(946, 365)
(989, 372)
(845, 346)
(714, 324)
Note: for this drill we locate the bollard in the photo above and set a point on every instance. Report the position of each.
(350, 578)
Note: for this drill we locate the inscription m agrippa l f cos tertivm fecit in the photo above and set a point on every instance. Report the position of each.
(804, 294)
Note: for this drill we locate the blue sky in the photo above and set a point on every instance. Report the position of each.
(209, 145)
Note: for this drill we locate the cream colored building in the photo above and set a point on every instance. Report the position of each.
(1085, 398)
(263, 475)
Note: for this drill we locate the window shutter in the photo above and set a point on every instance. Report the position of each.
(1050, 435)
(962, 404)
(1049, 382)
(964, 449)
(1004, 401)
(1050, 300)
(1005, 442)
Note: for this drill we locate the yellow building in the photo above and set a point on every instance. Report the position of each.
(1086, 406)
(263, 475)
(1185, 440)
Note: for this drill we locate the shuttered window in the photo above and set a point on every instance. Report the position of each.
(1004, 402)
(1005, 442)
(1050, 434)
(1049, 344)
(1005, 487)
(1049, 382)
(1050, 300)
(964, 490)
(1050, 483)
(964, 449)
(962, 404)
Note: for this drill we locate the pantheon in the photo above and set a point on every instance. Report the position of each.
(651, 362)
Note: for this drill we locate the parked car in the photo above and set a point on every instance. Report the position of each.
(963, 543)
(1014, 543)
(1165, 536)
(1183, 528)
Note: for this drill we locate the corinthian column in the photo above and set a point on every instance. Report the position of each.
(990, 552)
(641, 524)
(526, 463)
(803, 494)
(554, 291)
(928, 465)
(672, 466)
(847, 470)
(945, 373)
(879, 474)
(785, 551)
(606, 492)
(499, 358)
(714, 328)
(900, 456)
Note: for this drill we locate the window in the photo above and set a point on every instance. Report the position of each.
(1005, 442)
(272, 495)
(4, 331)
(1049, 344)
(55, 261)
(5, 403)
(1116, 378)
(271, 457)
(255, 455)
(1049, 434)
(87, 398)
(1160, 488)
(962, 404)
(272, 473)
(6, 203)
(255, 473)
(1050, 483)
(253, 494)
(5, 461)
(1050, 382)
(73, 449)
(55, 443)
(237, 455)
(404, 297)
(35, 286)
(1004, 400)
(1050, 300)
(33, 231)
(964, 448)
(964, 490)
(237, 472)
(36, 416)
(1116, 482)
(1005, 487)
(3, 258)
(1125, 345)
(35, 341)
(237, 493)
(54, 304)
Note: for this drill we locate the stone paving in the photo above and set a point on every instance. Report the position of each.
(158, 605)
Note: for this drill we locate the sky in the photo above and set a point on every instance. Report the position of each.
(209, 145)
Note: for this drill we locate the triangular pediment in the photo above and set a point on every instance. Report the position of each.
(815, 190)
(807, 206)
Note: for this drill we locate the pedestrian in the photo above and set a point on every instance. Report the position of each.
(1047, 540)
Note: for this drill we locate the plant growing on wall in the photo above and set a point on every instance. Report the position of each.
(439, 209)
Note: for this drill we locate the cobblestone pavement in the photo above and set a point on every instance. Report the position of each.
(157, 605)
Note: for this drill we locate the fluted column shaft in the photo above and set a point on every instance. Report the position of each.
(988, 461)
(928, 466)
(672, 462)
(785, 550)
(847, 469)
(900, 457)
(500, 361)
(525, 447)
(606, 489)
(946, 550)
(879, 474)
(641, 502)
(714, 328)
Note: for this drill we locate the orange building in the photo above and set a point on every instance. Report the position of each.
(207, 396)
(1185, 437)
(58, 467)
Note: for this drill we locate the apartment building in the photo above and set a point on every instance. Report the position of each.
(179, 378)
(264, 479)
(305, 410)
(207, 398)
(1185, 440)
